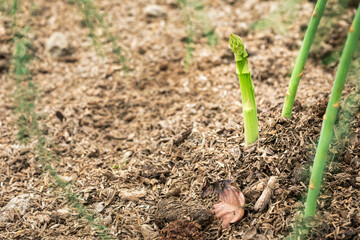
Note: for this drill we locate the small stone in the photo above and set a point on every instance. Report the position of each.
(154, 11)
(108, 220)
(63, 211)
(98, 207)
(242, 27)
(65, 179)
(57, 45)
(21, 203)
(236, 153)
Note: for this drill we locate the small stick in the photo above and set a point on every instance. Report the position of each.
(266, 194)
(183, 137)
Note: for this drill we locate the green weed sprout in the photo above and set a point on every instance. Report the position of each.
(204, 21)
(246, 88)
(285, 12)
(330, 116)
(195, 10)
(92, 19)
(301, 59)
(29, 128)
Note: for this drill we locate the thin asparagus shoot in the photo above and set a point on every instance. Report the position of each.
(330, 116)
(246, 88)
(301, 59)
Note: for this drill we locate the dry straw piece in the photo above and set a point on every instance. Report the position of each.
(266, 194)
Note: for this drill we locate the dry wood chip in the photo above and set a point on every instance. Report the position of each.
(132, 194)
(183, 137)
(148, 232)
(266, 194)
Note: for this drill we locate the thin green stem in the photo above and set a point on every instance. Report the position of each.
(29, 127)
(301, 59)
(246, 88)
(190, 37)
(330, 116)
(281, 18)
(194, 10)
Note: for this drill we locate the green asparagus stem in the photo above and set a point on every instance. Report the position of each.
(246, 88)
(301, 59)
(330, 116)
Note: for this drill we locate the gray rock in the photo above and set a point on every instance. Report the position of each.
(21, 203)
(57, 45)
(155, 11)
(98, 207)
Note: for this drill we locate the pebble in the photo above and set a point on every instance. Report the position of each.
(98, 207)
(57, 45)
(155, 11)
(108, 220)
(21, 203)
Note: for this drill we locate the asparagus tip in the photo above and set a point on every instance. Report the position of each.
(237, 47)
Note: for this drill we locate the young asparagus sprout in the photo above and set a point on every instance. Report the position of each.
(246, 88)
(301, 59)
(331, 112)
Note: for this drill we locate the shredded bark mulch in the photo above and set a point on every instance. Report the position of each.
(138, 148)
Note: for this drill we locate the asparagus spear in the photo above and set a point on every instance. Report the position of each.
(301, 59)
(246, 88)
(330, 115)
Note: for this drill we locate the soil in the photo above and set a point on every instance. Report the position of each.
(139, 147)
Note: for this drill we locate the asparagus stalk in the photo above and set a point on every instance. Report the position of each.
(301, 59)
(330, 115)
(246, 88)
